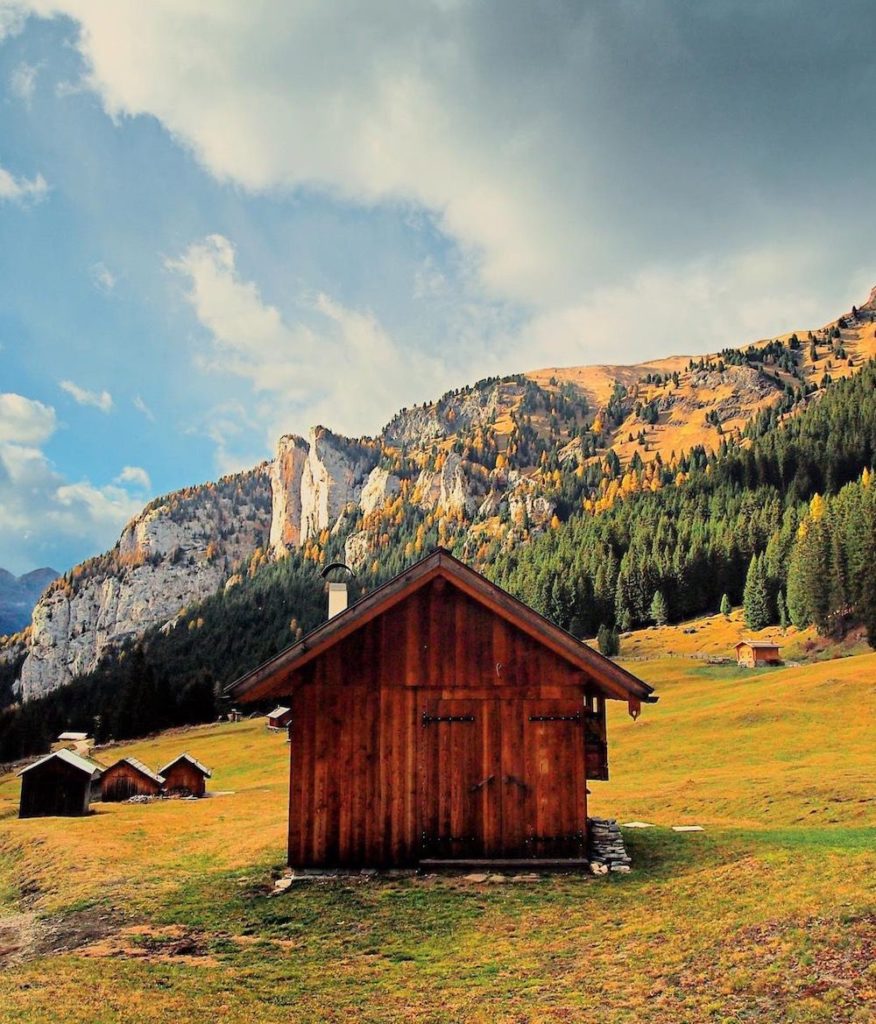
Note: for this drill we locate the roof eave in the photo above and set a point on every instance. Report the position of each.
(256, 684)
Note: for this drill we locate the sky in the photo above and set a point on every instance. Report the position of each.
(225, 221)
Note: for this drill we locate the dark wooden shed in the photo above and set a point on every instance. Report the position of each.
(129, 777)
(185, 774)
(62, 783)
(439, 718)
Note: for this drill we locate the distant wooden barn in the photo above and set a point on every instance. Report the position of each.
(440, 719)
(185, 774)
(127, 778)
(60, 784)
(72, 737)
(752, 653)
(279, 718)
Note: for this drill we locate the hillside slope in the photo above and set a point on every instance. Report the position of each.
(157, 913)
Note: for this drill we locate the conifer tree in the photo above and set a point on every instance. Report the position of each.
(782, 610)
(608, 641)
(755, 599)
(798, 601)
(725, 606)
(659, 612)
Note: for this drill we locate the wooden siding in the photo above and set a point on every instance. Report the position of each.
(55, 788)
(184, 777)
(122, 781)
(496, 768)
(752, 656)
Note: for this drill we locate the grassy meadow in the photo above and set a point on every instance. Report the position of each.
(158, 912)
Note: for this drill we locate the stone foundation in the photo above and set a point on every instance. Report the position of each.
(606, 846)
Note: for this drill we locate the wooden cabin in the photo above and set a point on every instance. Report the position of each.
(73, 737)
(752, 653)
(440, 719)
(279, 718)
(185, 775)
(129, 777)
(60, 784)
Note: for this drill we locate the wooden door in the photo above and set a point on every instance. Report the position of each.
(544, 806)
(502, 778)
(458, 790)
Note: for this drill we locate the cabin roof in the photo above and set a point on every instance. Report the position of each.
(278, 711)
(73, 736)
(139, 767)
(192, 760)
(269, 678)
(760, 644)
(83, 764)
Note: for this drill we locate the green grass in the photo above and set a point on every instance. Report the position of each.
(768, 915)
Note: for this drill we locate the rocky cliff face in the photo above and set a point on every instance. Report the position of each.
(332, 480)
(178, 551)
(315, 482)
(286, 472)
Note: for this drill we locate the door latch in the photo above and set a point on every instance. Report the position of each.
(481, 784)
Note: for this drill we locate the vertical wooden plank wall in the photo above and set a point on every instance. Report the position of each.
(357, 759)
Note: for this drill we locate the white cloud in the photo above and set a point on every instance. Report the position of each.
(135, 475)
(692, 309)
(496, 123)
(41, 511)
(102, 510)
(24, 420)
(332, 364)
(141, 407)
(22, 191)
(22, 81)
(103, 278)
(102, 400)
(566, 149)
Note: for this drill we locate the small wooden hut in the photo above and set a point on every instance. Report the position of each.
(60, 784)
(440, 719)
(279, 718)
(129, 777)
(185, 775)
(73, 737)
(752, 653)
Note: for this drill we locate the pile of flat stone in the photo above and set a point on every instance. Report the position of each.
(607, 851)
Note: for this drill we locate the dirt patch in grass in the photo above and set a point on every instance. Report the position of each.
(72, 931)
(26, 935)
(172, 944)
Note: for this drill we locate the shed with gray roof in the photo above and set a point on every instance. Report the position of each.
(129, 777)
(59, 784)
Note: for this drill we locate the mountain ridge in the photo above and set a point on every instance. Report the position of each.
(488, 466)
(19, 594)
